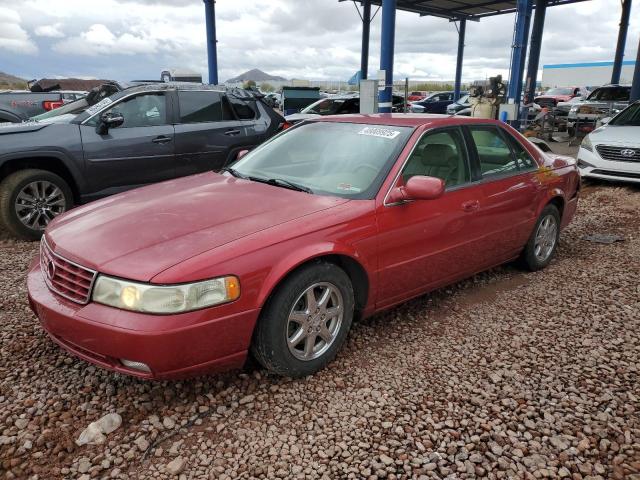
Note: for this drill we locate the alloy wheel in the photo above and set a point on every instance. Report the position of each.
(546, 237)
(314, 321)
(38, 203)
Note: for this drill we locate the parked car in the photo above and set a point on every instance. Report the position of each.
(553, 96)
(612, 152)
(336, 105)
(459, 105)
(139, 135)
(417, 95)
(18, 105)
(434, 103)
(603, 102)
(562, 108)
(335, 218)
(272, 99)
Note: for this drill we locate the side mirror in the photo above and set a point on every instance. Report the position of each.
(241, 154)
(418, 187)
(109, 120)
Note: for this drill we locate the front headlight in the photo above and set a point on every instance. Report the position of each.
(574, 109)
(164, 299)
(586, 144)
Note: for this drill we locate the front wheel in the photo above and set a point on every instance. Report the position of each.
(30, 199)
(543, 242)
(306, 321)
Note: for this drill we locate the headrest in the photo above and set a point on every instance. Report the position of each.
(437, 154)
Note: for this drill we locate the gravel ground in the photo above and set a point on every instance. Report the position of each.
(505, 375)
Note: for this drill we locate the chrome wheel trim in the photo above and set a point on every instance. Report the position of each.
(546, 238)
(37, 203)
(314, 321)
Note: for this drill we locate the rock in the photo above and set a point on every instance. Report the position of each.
(168, 423)
(21, 423)
(176, 466)
(95, 433)
(142, 443)
(386, 459)
(247, 399)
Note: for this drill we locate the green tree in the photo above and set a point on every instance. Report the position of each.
(267, 87)
(249, 84)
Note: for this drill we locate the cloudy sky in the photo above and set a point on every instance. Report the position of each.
(313, 39)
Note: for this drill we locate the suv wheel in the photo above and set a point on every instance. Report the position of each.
(305, 322)
(30, 199)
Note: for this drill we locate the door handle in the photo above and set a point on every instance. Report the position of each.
(161, 139)
(471, 205)
(232, 132)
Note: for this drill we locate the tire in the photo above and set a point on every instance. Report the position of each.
(274, 341)
(30, 183)
(539, 251)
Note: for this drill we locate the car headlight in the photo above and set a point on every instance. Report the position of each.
(574, 109)
(586, 144)
(164, 299)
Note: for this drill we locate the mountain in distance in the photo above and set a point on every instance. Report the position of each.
(256, 75)
(7, 79)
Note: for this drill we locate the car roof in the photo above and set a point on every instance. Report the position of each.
(405, 119)
(174, 86)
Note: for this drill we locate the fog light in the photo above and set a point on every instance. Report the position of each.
(142, 367)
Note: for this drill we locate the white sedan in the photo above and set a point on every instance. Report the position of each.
(612, 152)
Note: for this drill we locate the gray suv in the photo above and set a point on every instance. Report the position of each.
(605, 101)
(140, 135)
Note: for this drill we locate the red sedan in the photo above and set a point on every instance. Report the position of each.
(332, 219)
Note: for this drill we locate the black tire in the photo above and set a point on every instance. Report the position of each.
(529, 258)
(12, 185)
(270, 344)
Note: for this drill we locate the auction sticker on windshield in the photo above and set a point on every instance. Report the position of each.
(379, 132)
(99, 106)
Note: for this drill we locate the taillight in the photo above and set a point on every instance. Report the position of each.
(50, 105)
(284, 125)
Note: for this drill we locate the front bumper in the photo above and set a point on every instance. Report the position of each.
(592, 165)
(173, 346)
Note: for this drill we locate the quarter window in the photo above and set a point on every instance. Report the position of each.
(523, 158)
(494, 154)
(439, 154)
(245, 109)
(198, 107)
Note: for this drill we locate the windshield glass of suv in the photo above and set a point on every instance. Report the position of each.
(326, 106)
(611, 94)
(560, 91)
(629, 117)
(347, 160)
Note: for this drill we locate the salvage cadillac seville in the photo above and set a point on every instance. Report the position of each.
(336, 218)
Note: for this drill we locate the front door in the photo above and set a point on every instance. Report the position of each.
(138, 152)
(427, 243)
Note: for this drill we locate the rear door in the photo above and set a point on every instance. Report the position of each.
(138, 152)
(208, 133)
(504, 169)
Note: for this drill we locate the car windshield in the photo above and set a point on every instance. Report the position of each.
(463, 100)
(326, 106)
(611, 94)
(348, 160)
(629, 117)
(560, 91)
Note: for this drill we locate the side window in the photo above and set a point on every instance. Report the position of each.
(493, 153)
(245, 109)
(523, 157)
(146, 110)
(439, 154)
(202, 106)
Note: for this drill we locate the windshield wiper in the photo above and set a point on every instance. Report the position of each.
(234, 172)
(280, 182)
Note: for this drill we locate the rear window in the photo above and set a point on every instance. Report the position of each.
(611, 94)
(198, 107)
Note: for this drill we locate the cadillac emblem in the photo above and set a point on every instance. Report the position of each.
(51, 270)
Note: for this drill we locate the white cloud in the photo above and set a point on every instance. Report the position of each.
(12, 36)
(99, 40)
(49, 31)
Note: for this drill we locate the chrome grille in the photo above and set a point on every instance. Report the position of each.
(618, 154)
(67, 279)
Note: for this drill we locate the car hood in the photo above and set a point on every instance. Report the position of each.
(23, 127)
(616, 135)
(141, 233)
(298, 117)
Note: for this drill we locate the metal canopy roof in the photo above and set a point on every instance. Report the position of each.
(469, 9)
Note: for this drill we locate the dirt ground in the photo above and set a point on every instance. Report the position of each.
(505, 375)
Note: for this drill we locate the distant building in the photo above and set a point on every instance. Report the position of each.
(584, 74)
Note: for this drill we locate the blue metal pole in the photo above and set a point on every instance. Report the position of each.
(212, 54)
(366, 24)
(519, 50)
(387, 41)
(622, 39)
(461, 33)
(635, 86)
(534, 51)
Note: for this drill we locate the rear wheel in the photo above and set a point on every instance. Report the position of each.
(543, 242)
(30, 199)
(306, 321)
